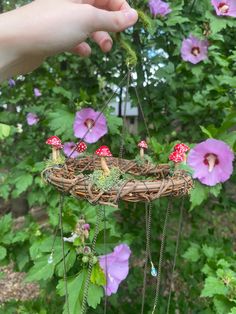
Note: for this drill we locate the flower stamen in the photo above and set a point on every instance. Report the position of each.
(89, 123)
(223, 7)
(211, 160)
(195, 51)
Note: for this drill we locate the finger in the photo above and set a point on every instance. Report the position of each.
(83, 49)
(111, 5)
(103, 39)
(110, 21)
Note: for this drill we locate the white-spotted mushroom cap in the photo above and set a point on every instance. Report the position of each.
(81, 147)
(103, 151)
(177, 156)
(143, 144)
(54, 141)
(182, 148)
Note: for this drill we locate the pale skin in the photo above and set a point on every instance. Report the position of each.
(30, 34)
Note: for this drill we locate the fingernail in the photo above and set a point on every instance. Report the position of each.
(107, 45)
(131, 14)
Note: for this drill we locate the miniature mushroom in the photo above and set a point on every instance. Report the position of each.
(56, 144)
(177, 157)
(142, 145)
(81, 147)
(103, 152)
(182, 148)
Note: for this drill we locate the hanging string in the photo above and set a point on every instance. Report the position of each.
(63, 254)
(99, 115)
(169, 205)
(124, 114)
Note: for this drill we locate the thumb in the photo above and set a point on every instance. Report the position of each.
(112, 21)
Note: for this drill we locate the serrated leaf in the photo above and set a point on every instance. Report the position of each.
(97, 276)
(233, 311)
(75, 292)
(61, 123)
(95, 293)
(208, 251)
(114, 123)
(5, 225)
(42, 270)
(193, 253)
(213, 286)
(198, 194)
(69, 261)
(3, 252)
(222, 305)
(22, 182)
(215, 190)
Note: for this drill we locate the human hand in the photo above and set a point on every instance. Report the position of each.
(43, 28)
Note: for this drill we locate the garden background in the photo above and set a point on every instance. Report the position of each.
(182, 102)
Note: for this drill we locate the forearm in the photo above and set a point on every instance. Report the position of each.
(14, 57)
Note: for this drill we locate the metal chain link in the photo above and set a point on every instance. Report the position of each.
(87, 282)
(169, 205)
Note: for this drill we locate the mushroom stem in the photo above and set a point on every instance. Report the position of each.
(104, 166)
(142, 153)
(54, 154)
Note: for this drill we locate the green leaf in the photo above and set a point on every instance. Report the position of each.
(61, 123)
(233, 311)
(198, 194)
(208, 251)
(213, 286)
(95, 294)
(5, 225)
(3, 252)
(4, 131)
(215, 190)
(75, 292)
(205, 131)
(42, 270)
(97, 276)
(22, 182)
(193, 253)
(114, 124)
(222, 305)
(69, 260)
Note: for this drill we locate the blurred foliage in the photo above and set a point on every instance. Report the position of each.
(181, 102)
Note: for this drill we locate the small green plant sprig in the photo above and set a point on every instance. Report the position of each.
(106, 183)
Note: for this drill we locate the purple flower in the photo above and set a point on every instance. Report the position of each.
(90, 125)
(11, 83)
(116, 267)
(37, 92)
(69, 148)
(194, 50)
(212, 161)
(32, 118)
(159, 7)
(225, 7)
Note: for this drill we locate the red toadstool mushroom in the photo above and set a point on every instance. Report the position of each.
(177, 157)
(56, 144)
(81, 147)
(182, 148)
(103, 152)
(142, 145)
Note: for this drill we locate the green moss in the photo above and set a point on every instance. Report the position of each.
(58, 161)
(141, 161)
(106, 183)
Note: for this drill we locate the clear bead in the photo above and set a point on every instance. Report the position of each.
(50, 259)
(153, 272)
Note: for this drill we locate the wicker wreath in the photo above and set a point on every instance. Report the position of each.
(74, 177)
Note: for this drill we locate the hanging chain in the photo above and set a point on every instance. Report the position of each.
(176, 252)
(87, 282)
(63, 253)
(105, 253)
(169, 205)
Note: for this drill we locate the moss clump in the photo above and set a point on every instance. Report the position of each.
(59, 161)
(141, 161)
(106, 183)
